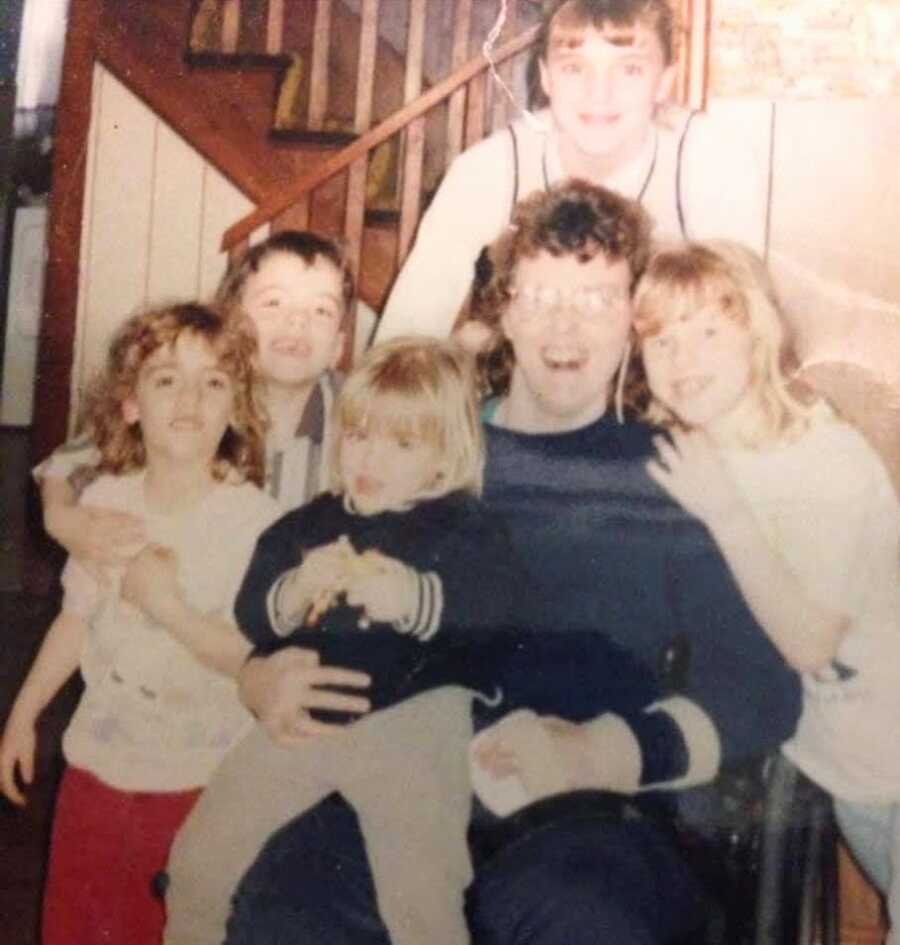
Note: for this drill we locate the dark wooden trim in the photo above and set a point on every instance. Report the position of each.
(382, 217)
(238, 60)
(56, 350)
(312, 139)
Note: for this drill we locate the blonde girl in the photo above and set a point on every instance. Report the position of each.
(803, 511)
(396, 572)
(180, 439)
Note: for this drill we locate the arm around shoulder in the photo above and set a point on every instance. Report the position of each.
(736, 675)
(151, 583)
(92, 533)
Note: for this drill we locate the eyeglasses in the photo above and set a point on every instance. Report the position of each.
(585, 303)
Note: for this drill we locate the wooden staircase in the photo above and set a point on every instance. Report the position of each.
(308, 108)
(394, 139)
(380, 126)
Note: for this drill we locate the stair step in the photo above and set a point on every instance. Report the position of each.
(238, 60)
(382, 218)
(320, 139)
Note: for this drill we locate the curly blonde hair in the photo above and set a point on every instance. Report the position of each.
(121, 444)
(729, 277)
(572, 219)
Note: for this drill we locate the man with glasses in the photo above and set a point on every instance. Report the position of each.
(610, 557)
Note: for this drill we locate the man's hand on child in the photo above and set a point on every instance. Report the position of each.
(96, 536)
(281, 689)
(17, 751)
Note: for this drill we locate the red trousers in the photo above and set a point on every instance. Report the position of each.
(107, 846)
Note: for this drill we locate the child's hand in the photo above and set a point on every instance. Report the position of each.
(151, 584)
(318, 580)
(385, 588)
(691, 471)
(17, 751)
(96, 536)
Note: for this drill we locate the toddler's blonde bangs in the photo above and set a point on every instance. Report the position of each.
(402, 416)
(423, 390)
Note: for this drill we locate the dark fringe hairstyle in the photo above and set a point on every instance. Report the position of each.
(620, 15)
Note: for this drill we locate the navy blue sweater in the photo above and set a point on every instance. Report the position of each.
(609, 553)
(479, 642)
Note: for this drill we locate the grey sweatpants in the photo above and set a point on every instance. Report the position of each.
(405, 772)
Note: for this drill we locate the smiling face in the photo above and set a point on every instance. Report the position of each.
(700, 366)
(568, 324)
(297, 309)
(384, 469)
(183, 401)
(604, 88)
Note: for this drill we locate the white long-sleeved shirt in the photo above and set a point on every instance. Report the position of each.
(825, 502)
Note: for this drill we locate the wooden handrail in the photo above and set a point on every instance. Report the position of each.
(286, 196)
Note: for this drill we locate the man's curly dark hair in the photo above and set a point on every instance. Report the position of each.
(572, 219)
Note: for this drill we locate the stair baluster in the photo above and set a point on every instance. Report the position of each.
(414, 137)
(275, 27)
(231, 25)
(318, 70)
(462, 26)
(356, 179)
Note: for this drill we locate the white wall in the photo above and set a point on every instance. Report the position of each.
(836, 210)
(155, 212)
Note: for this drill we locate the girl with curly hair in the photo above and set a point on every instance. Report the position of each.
(181, 445)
